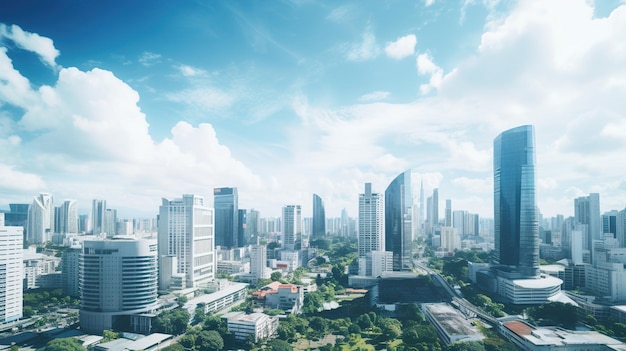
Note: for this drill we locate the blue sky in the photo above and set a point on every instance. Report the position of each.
(134, 101)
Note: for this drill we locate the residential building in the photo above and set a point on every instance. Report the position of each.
(98, 211)
(587, 211)
(371, 227)
(185, 232)
(258, 263)
(11, 268)
(292, 227)
(40, 219)
(398, 202)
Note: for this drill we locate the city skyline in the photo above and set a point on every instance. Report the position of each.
(293, 98)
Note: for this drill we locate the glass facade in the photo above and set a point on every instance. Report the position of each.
(226, 207)
(319, 218)
(398, 238)
(515, 212)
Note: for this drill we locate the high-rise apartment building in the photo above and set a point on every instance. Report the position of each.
(242, 224)
(371, 227)
(98, 211)
(40, 219)
(118, 283)
(291, 226)
(515, 211)
(110, 222)
(258, 262)
(587, 211)
(448, 218)
(11, 272)
(66, 217)
(226, 206)
(398, 202)
(319, 218)
(185, 232)
(253, 226)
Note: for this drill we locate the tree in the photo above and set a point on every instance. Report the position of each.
(109, 335)
(466, 346)
(279, 345)
(319, 325)
(275, 276)
(174, 347)
(64, 344)
(364, 321)
(390, 327)
(173, 321)
(354, 329)
(209, 340)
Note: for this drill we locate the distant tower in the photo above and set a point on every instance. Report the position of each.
(422, 205)
(40, 219)
(226, 206)
(118, 282)
(68, 218)
(448, 219)
(371, 226)
(185, 232)
(242, 223)
(515, 210)
(11, 272)
(258, 262)
(98, 212)
(398, 202)
(435, 209)
(291, 226)
(587, 212)
(253, 226)
(319, 218)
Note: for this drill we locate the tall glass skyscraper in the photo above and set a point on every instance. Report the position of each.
(318, 226)
(515, 212)
(398, 201)
(226, 207)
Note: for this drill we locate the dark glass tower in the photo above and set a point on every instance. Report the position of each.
(398, 221)
(226, 217)
(318, 224)
(515, 212)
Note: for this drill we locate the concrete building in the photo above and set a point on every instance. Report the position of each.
(11, 268)
(450, 239)
(186, 232)
(98, 211)
(70, 269)
(36, 266)
(318, 228)
(255, 326)
(291, 227)
(371, 227)
(382, 261)
(258, 263)
(451, 325)
(226, 297)
(40, 219)
(118, 280)
(287, 297)
(587, 212)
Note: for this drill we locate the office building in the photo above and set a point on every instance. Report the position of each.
(98, 212)
(319, 218)
(11, 272)
(40, 219)
(17, 216)
(185, 233)
(258, 263)
(448, 218)
(66, 218)
(371, 227)
(587, 211)
(110, 222)
(253, 226)
(398, 201)
(255, 326)
(515, 210)
(242, 224)
(225, 202)
(292, 227)
(118, 280)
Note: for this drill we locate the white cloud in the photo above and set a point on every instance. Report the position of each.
(189, 71)
(402, 47)
(426, 66)
(149, 58)
(42, 46)
(364, 50)
(428, 2)
(375, 96)
(10, 179)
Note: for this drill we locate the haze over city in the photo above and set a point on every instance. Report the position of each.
(135, 102)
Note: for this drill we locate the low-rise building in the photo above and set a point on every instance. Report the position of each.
(255, 325)
(451, 325)
(227, 296)
(287, 297)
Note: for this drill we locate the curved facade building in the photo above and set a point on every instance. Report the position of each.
(398, 240)
(118, 279)
(515, 212)
(318, 225)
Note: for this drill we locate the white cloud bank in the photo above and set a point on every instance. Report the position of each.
(402, 47)
(33, 42)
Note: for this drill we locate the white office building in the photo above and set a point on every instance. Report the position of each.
(186, 233)
(11, 243)
(40, 219)
(291, 226)
(258, 262)
(118, 280)
(371, 228)
(257, 326)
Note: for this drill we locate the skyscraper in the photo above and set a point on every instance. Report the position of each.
(587, 212)
(515, 212)
(253, 226)
(291, 226)
(98, 211)
(185, 232)
(319, 218)
(226, 207)
(40, 219)
(68, 217)
(371, 226)
(448, 218)
(398, 201)
(11, 272)
(242, 223)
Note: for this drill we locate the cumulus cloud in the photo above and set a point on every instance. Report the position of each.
(11, 179)
(42, 46)
(402, 47)
(426, 66)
